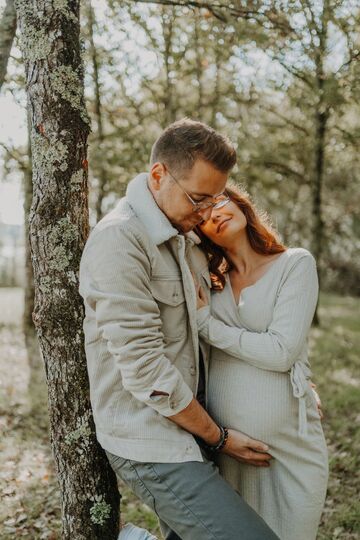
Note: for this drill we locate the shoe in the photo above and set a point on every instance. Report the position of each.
(131, 532)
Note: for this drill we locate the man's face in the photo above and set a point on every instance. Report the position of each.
(202, 182)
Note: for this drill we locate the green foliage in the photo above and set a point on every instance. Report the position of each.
(261, 82)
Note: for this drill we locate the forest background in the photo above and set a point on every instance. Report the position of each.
(282, 79)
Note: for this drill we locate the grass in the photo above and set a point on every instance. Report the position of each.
(335, 348)
(30, 505)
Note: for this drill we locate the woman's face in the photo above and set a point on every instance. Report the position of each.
(224, 224)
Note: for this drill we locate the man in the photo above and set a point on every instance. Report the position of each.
(146, 367)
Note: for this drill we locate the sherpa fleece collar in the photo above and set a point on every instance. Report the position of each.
(154, 220)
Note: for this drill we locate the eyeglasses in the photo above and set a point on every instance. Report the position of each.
(217, 202)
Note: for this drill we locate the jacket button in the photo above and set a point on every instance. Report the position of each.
(192, 370)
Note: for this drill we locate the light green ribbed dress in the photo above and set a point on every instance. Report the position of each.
(258, 384)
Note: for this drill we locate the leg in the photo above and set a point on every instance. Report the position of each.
(193, 500)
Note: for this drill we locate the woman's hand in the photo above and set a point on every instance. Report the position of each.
(201, 298)
(318, 400)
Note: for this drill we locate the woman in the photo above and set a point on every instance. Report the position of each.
(263, 302)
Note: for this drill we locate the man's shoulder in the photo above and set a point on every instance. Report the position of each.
(119, 230)
(122, 217)
(121, 221)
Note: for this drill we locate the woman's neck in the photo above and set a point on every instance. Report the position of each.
(242, 256)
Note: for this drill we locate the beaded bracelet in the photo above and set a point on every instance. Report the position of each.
(222, 441)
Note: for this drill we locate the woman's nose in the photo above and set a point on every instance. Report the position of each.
(215, 215)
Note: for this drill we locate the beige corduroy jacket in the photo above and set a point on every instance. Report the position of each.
(140, 328)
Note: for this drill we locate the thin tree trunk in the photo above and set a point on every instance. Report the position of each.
(168, 29)
(98, 114)
(199, 66)
(321, 119)
(49, 37)
(216, 91)
(36, 388)
(28, 324)
(7, 34)
(318, 223)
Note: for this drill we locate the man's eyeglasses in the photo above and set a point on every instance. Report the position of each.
(216, 202)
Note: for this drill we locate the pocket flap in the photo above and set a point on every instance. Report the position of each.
(168, 291)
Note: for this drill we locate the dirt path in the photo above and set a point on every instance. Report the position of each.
(30, 504)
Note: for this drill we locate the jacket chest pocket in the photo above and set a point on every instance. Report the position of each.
(169, 296)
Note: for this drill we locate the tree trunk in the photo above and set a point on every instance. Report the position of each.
(36, 387)
(216, 91)
(199, 66)
(321, 119)
(99, 116)
(49, 38)
(7, 34)
(28, 324)
(167, 21)
(317, 222)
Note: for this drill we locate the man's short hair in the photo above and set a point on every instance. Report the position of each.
(185, 141)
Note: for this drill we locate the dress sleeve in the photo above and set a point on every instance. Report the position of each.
(278, 348)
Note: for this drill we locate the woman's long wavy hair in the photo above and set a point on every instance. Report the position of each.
(262, 237)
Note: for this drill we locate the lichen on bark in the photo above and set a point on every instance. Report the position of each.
(65, 82)
(50, 153)
(63, 7)
(100, 511)
(62, 238)
(81, 434)
(35, 44)
(76, 180)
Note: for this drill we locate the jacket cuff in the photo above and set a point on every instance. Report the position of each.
(175, 402)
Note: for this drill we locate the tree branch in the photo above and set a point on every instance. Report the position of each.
(7, 34)
(13, 155)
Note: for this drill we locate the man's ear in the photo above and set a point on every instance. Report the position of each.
(156, 175)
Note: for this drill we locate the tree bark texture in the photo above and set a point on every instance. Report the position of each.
(7, 34)
(58, 228)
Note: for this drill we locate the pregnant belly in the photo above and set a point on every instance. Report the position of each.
(260, 403)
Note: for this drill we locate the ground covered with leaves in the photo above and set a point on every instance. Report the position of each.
(30, 504)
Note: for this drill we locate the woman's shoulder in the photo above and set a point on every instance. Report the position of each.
(294, 253)
(300, 256)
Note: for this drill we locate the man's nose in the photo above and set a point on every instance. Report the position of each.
(206, 213)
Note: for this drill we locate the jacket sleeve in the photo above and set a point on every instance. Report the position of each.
(278, 348)
(115, 284)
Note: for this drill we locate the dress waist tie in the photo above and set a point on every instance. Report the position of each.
(299, 376)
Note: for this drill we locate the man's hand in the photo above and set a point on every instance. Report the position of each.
(243, 448)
